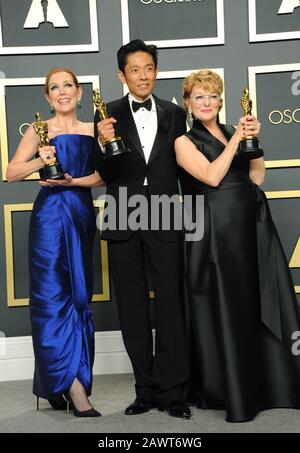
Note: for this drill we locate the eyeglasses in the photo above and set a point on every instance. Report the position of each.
(200, 98)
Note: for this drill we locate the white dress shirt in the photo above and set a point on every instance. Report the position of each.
(146, 124)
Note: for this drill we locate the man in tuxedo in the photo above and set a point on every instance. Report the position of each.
(148, 126)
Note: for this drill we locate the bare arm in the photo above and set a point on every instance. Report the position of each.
(195, 163)
(257, 171)
(93, 180)
(212, 173)
(22, 164)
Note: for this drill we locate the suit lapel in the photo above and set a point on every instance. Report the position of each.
(129, 130)
(163, 116)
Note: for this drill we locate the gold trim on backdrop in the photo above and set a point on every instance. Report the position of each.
(181, 75)
(105, 295)
(61, 48)
(93, 79)
(8, 233)
(295, 259)
(287, 163)
(283, 194)
(10, 279)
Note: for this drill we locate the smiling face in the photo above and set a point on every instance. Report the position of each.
(202, 91)
(139, 74)
(204, 104)
(62, 92)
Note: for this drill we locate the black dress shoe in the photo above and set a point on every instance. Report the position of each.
(139, 406)
(176, 409)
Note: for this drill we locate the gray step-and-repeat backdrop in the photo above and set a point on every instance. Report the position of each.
(251, 43)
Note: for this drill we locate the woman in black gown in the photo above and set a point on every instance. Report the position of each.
(242, 306)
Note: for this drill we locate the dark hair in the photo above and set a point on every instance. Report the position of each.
(137, 45)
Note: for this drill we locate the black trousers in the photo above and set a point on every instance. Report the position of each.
(159, 377)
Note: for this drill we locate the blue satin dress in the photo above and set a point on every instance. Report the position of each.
(62, 230)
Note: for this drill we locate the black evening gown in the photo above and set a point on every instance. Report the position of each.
(241, 302)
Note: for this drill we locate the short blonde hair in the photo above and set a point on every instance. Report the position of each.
(206, 79)
(54, 71)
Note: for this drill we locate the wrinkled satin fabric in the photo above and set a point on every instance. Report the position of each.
(62, 230)
(241, 304)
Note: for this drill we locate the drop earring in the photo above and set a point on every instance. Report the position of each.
(79, 104)
(190, 114)
(52, 109)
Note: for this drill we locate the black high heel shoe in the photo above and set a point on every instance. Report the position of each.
(89, 413)
(58, 403)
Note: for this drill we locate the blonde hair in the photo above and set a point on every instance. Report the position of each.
(54, 71)
(206, 79)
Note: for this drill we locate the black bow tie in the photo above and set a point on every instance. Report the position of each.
(138, 105)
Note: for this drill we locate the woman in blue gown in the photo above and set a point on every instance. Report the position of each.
(62, 230)
(242, 306)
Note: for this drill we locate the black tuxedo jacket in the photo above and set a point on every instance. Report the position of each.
(130, 171)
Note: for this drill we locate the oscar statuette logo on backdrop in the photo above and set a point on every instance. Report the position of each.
(42, 11)
(271, 20)
(48, 26)
(288, 6)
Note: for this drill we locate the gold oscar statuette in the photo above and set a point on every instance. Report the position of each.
(249, 146)
(53, 170)
(115, 146)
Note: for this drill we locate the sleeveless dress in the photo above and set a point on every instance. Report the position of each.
(242, 307)
(62, 230)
